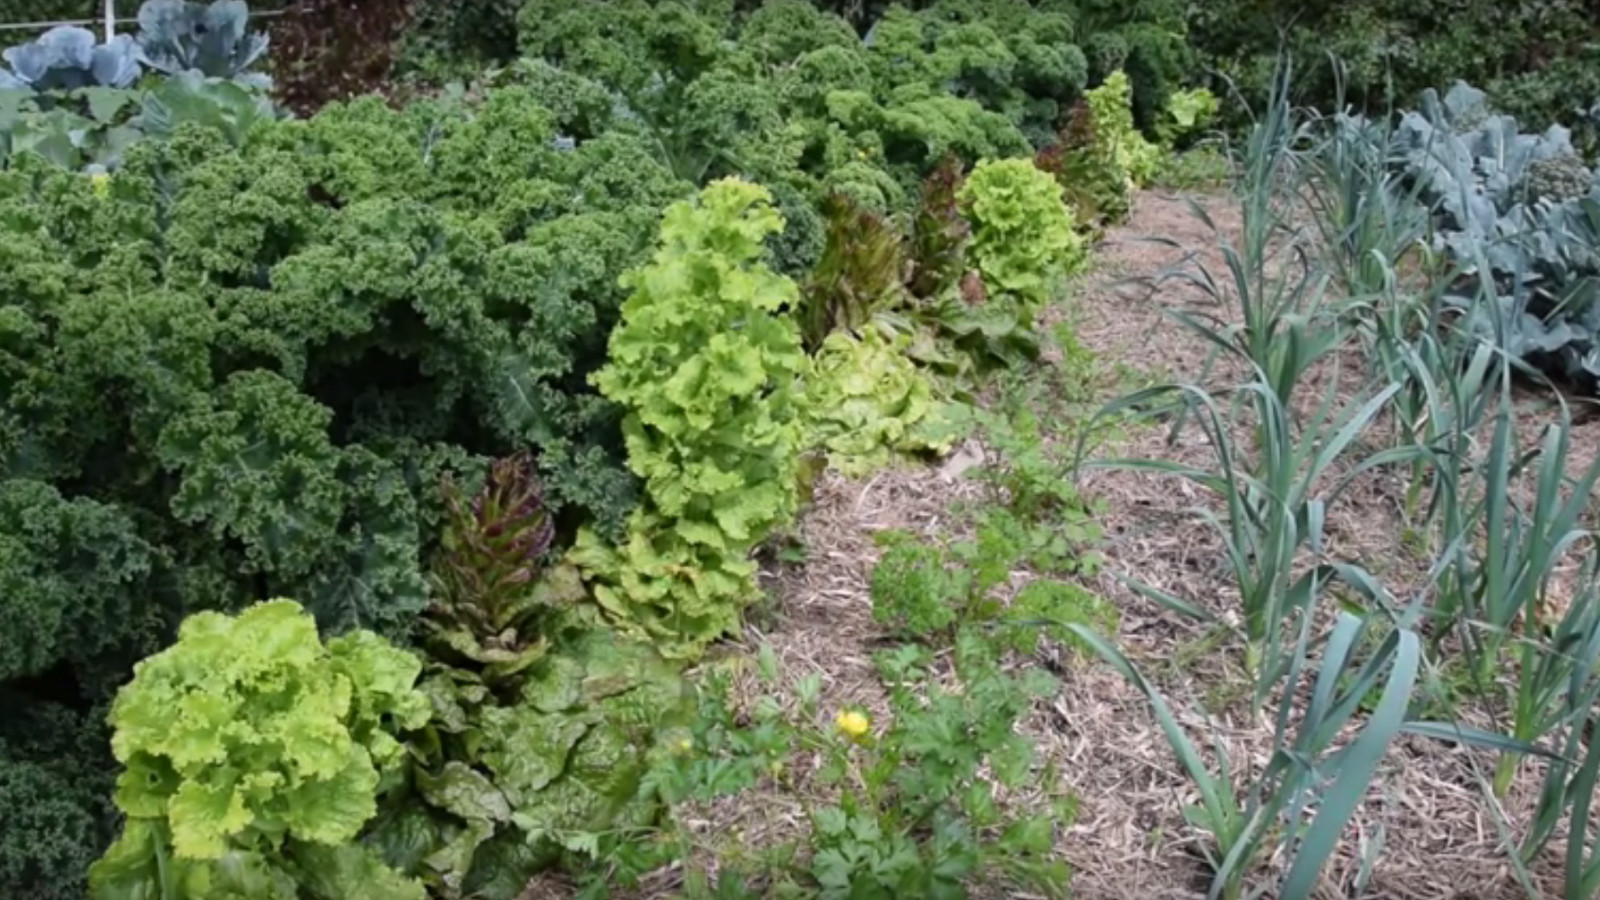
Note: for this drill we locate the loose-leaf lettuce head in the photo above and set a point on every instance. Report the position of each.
(249, 727)
(707, 365)
(1022, 232)
(867, 401)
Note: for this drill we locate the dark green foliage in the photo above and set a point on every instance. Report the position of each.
(74, 582)
(1145, 38)
(1537, 60)
(56, 774)
(236, 371)
(453, 37)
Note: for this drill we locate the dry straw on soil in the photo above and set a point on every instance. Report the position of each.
(1427, 808)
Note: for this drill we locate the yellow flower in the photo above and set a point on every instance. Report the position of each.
(100, 183)
(852, 723)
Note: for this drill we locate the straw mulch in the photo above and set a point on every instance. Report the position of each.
(1427, 810)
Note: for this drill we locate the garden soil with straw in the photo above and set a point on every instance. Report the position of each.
(1426, 810)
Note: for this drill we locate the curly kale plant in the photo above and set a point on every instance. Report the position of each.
(707, 365)
(56, 779)
(1022, 232)
(254, 752)
(238, 370)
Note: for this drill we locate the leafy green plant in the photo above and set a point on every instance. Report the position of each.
(921, 808)
(709, 371)
(858, 276)
(1200, 168)
(1115, 136)
(865, 401)
(927, 591)
(910, 819)
(1032, 477)
(506, 784)
(1092, 182)
(1022, 234)
(1188, 112)
(254, 752)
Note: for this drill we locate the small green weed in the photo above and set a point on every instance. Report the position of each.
(1202, 168)
(904, 810)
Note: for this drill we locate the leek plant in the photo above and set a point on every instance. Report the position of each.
(1498, 561)
(1274, 494)
(1274, 505)
(1309, 790)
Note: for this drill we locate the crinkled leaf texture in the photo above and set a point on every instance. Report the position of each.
(708, 366)
(501, 785)
(249, 732)
(1022, 232)
(866, 401)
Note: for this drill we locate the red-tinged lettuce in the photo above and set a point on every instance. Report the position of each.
(247, 744)
(939, 233)
(858, 276)
(495, 607)
(707, 365)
